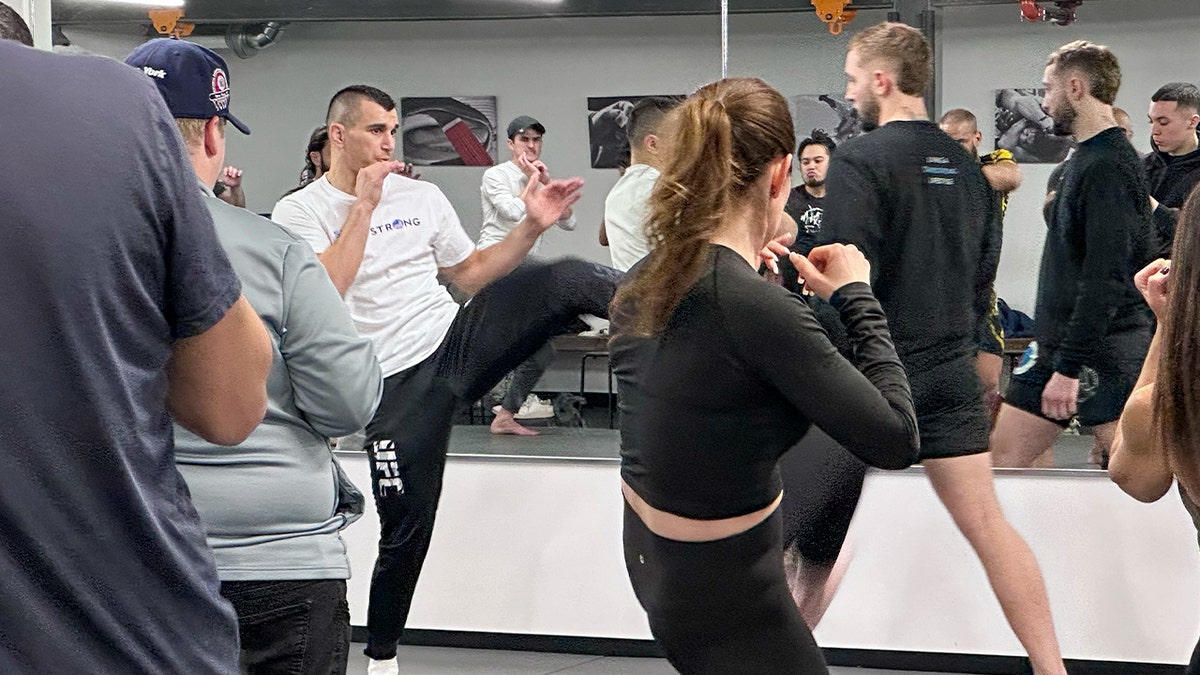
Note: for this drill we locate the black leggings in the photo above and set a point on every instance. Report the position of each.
(822, 482)
(721, 607)
(503, 325)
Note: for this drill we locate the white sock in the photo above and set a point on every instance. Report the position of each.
(384, 667)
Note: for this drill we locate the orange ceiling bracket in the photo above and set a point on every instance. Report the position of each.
(834, 13)
(167, 22)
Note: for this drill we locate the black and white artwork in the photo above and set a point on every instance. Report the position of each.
(828, 112)
(449, 130)
(608, 129)
(1024, 129)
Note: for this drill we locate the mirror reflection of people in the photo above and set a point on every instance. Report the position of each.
(1157, 436)
(923, 213)
(1173, 167)
(503, 208)
(1092, 325)
(716, 374)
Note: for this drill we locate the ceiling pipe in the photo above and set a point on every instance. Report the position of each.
(246, 44)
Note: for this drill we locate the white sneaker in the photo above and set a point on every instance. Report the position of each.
(386, 667)
(534, 408)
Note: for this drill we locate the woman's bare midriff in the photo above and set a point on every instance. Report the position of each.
(675, 527)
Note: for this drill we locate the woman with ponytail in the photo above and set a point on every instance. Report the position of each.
(316, 158)
(1157, 441)
(721, 372)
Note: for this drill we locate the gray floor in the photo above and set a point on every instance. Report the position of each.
(444, 661)
(599, 442)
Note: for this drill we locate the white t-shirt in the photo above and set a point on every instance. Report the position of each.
(503, 208)
(625, 211)
(395, 300)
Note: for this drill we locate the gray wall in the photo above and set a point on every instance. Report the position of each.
(548, 67)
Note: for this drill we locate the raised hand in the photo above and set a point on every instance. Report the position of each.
(1152, 283)
(231, 177)
(828, 268)
(546, 204)
(369, 184)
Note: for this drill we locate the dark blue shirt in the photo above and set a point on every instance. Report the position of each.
(108, 256)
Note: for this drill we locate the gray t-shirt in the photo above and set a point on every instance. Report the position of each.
(109, 255)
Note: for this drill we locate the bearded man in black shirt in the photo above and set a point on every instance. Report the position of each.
(918, 205)
(1093, 328)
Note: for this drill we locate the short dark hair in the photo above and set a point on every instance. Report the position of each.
(1184, 94)
(1095, 62)
(818, 137)
(646, 116)
(343, 107)
(13, 27)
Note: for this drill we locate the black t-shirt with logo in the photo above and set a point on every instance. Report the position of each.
(808, 212)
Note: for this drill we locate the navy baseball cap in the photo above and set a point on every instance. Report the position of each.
(525, 122)
(193, 80)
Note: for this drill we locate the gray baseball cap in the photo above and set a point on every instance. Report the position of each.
(522, 123)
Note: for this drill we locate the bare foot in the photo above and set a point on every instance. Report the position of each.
(505, 423)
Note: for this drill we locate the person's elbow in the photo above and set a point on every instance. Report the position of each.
(217, 380)
(352, 410)
(1136, 484)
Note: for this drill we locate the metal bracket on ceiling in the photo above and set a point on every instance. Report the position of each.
(167, 22)
(1062, 13)
(834, 13)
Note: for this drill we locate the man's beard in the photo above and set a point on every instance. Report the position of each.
(1064, 121)
(814, 182)
(868, 113)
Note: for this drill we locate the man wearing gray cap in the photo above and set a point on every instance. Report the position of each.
(503, 208)
(273, 505)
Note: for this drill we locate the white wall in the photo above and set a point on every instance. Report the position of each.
(534, 547)
(548, 67)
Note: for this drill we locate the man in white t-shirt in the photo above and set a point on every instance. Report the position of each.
(625, 207)
(383, 239)
(503, 208)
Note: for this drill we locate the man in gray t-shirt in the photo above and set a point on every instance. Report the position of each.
(118, 310)
(274, 504)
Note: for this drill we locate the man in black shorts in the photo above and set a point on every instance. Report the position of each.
(1093, 328)
(919, 207)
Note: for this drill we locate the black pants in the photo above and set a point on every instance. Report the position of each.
(502, 326)
(721, 607)
(291, 627)
(822, 482)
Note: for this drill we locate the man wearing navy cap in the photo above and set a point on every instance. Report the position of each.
(274, 505)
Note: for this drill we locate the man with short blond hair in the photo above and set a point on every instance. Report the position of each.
(919, 207)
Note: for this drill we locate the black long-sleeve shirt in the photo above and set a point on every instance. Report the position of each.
(1099, 237)
(736, 378)
(922, 212)
(1170, 180)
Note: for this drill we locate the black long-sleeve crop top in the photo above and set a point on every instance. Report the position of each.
(736, 378)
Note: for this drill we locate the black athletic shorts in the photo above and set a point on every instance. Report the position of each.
(1104, 385)
(951, 414)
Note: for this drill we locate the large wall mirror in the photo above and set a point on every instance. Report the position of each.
(576, 66)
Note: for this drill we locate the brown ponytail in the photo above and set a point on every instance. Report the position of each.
(1176, 419)
(717, 142)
